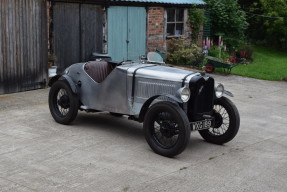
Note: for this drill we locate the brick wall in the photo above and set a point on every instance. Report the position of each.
(156, 29)
(156, 32)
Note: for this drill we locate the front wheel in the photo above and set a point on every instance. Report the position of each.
(226, 125)
(63, 103)
(167, 129)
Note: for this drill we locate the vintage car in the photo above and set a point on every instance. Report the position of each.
(170, 102)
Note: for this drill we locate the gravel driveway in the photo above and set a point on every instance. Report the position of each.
(99, 152)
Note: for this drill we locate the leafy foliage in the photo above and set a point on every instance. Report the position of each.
(268, 21)
(228, 21)
(245, 52)
(195, 19)
(182, 52)
(218, 52)
(256, 30)
(276, 28)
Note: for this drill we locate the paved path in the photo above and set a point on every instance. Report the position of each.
(99, 152)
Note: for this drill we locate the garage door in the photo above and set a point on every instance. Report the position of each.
(78, 32)
(23, 45)
(126, 32)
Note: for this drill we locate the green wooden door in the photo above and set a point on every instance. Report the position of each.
(117, 33)
(126, 32)
(136, 32)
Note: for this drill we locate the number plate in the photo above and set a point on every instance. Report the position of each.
(199, 125)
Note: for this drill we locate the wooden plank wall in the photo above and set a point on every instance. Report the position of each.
(92, 23)
(78, 32)
(23, 45)
(66, 33)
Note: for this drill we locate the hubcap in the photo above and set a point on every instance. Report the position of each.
(168, 129)
(64, 101)
(218, 120)
(165, 130)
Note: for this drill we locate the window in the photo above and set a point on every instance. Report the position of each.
(175, 21)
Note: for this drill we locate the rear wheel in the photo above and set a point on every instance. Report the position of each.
(167, 129)
(63, 103)
(226, 125)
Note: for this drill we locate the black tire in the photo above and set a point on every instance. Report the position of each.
(172, 133)
(63, 103)
(227, 121)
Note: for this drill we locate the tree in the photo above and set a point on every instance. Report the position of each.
(276, 24)
(268, 21)
(256, 30)
(228, 21)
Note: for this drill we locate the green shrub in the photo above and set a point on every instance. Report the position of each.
(219, 52)
(182, 52)
(245, 52)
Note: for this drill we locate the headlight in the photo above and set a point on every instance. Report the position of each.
(219, 89)
(184, 93)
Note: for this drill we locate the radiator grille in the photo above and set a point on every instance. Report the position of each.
(147, 89)
(202, 97)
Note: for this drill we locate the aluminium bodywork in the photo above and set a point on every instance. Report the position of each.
(170, 102)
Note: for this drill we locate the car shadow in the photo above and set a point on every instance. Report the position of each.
(106, 122)
(133, 131)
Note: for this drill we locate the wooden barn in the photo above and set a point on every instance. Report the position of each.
(70, 31)
(23, 45)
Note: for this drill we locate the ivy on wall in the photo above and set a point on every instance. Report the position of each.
(196, 19)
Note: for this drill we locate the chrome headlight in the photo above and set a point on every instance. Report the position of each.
(219, 89)
(184, 94)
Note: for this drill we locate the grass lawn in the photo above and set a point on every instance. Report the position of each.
(268, 64)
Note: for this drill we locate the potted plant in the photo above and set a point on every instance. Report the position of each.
(52, 58)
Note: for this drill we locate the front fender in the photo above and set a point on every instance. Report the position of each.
(150, 100)
(66, 78)
(228, 93)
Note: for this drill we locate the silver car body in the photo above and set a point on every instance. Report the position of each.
(129, 86)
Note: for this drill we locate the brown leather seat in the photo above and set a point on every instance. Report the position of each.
(98, 70)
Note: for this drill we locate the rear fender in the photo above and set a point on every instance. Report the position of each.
(146, 105)
(64, 78)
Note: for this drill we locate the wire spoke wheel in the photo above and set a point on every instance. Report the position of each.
(222, 121)
(226, 122)
(63, 103)
(167, 129)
